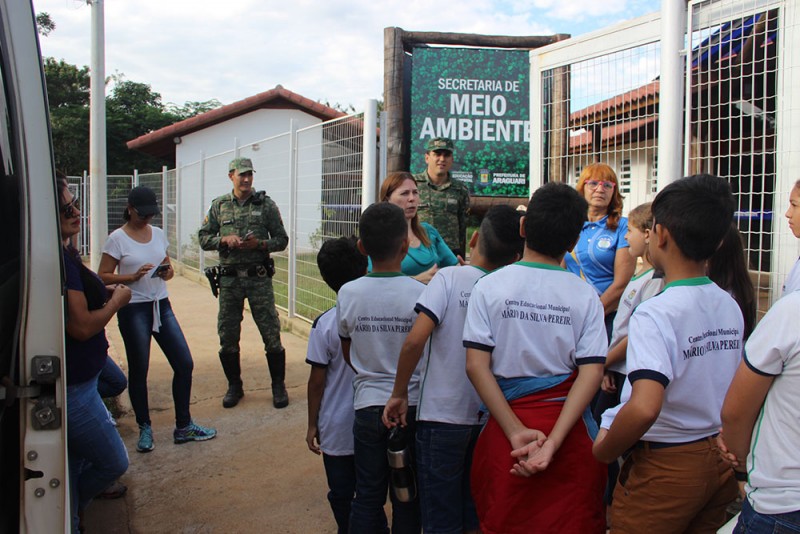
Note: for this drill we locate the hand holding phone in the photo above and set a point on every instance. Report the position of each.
(160, 269)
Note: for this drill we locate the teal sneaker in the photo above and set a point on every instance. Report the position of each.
(193, 432)
(145, 443)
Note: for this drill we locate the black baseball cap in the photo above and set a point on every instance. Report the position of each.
(144, 201)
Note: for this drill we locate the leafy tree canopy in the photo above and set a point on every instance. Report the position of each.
(44, 24)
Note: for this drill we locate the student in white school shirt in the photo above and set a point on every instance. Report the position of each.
(760, 423)
(683, 348)
(330, 383)
(448, 414)
(536, 343)
(374, 314)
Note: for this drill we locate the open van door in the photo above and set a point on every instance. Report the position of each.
(33, 468)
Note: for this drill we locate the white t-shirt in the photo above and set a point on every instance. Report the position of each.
(773, 464)
(792, 282)
(446, 394)
(376, 312)
(689, 339)
(335, 420)
(131, 255)
(537, 320)
(640, 288)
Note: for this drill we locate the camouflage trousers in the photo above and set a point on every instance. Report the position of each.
(258, 292)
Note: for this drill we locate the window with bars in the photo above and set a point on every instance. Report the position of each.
(625, 177)
(652, 177)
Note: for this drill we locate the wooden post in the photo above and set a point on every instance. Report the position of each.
(559, 126)
(393, 59)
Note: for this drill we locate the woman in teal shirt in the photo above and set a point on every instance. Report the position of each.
(427, 251)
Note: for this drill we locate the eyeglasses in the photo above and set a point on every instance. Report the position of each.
(594, 184)
(71, 209)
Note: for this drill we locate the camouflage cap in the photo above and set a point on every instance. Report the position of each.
(440, 143)
(241, 165)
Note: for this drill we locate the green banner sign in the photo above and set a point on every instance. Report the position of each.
(479, 98)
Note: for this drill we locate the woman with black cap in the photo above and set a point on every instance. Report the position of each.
(138, 252)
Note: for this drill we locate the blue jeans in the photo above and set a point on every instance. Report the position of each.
(135, 325)
(372, 478)
(341, 474)
(444, 462)
(112, 380)
(97, 456)
(751, 522)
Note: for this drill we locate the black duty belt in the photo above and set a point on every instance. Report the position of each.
(243, 271)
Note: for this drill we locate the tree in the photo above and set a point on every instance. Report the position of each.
(68, 99)
(190, 109)
(133, 109)
(44, 24)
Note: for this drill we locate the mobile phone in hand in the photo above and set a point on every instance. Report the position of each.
(160, 269)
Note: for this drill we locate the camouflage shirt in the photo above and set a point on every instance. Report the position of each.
(445, 208)
(258, 214)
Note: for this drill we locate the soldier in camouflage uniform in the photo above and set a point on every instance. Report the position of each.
(245, 226)
(443, 202)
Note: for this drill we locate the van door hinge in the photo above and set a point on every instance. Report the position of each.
(10, 392)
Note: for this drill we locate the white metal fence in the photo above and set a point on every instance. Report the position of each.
(316, 176)
(597, 98)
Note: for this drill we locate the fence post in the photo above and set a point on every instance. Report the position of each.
(383, 153)
(202, 260)
(135, 178)
(369, 162)
(670, 111)
(164, 199)
(292, 250)
(178, 226)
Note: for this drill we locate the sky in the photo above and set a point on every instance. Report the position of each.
(325, 50)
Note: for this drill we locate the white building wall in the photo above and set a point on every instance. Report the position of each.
(242, 130)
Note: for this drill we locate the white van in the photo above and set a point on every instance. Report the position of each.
(33, 474)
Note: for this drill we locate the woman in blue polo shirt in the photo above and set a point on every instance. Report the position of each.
(599, 257)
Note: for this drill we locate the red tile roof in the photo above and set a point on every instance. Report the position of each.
(160, 142)
(616, 104)
(578, 143)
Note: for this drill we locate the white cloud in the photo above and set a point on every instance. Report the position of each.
(324, 50)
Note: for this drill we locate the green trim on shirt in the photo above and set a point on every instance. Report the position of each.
(636, 277)
(537, 265)
(384, 275)
(699, 281)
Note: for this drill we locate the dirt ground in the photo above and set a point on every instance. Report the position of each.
(257, 475)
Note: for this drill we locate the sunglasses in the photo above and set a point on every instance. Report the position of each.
(71, 209)
(594, 184)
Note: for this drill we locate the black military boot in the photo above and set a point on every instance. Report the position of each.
(233, 372)
(277, 369)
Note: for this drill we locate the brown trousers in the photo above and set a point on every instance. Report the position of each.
(682, 489)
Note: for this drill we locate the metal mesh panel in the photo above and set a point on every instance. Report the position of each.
(117, 187)
(734, 94)
(603, 109)
(329, 174)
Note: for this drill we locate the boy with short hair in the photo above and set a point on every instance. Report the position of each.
(330, 384)
(684, 346)
(448, 414)
(536, 344)
(374, 314)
